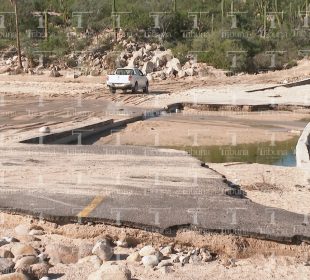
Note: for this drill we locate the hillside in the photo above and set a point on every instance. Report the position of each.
(240, 36)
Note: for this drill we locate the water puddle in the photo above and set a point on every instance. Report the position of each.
(277, 153)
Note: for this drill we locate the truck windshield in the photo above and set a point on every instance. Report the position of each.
(124, 72)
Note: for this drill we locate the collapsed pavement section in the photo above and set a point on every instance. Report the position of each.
(154, 189)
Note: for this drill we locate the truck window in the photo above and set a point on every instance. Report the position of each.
(124, 72)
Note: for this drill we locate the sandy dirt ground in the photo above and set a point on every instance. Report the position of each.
(211, 88)
(194, 128)
(281, 187)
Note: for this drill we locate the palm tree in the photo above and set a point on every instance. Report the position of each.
(14, 3)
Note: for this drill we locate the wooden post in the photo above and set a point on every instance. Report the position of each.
(17, 35)
(265, 20)
(222, 7)
(46, 24)
(113, 15)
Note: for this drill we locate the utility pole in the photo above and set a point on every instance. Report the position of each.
(222, 8)
(14, 3)
(265, 20)
(114, 18)
(276, 5)
(46, 24)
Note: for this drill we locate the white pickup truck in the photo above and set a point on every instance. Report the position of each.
(128, 79)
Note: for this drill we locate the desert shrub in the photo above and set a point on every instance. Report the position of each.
(181, 51)
(55, 44)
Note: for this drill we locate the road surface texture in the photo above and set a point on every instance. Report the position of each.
(153, 189)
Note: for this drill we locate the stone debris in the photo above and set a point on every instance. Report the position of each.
(6, 265)
(14, 276)
(62, 254)
(166, 250)
(38, 231)
(166, 269)
(152, 59)
(150, 261)
(85, 250)
(165, 263)
(147, 251)
(93, 261)
(111, 272)
(134, 257)
(103, 250)
(39, 270)
(20, 249)
(22, 261)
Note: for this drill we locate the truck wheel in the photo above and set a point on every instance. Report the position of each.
(112, 90)
(146, 89)
(135, 88)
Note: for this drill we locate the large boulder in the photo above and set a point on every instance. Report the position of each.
(134, 257)
(24, 263)
(103, 250)
(166, 250)
(190, 72)
(16, 71)
(20, 249)
(147, 251)
(6, 253)
(148, 48)
(174, 64)
(62, 254)
(11, 51)
(95, 72)
(182, 74)
(85, 250)
(150, 261)
(170, 72)
(91, 261)
(187, 65)
(161, 58)
(148, 67)
(54, 73)
(111, 272)
(14, 276)
(5, 69)
(136, 57)
(150, 77)
(6, 265)
(39, 270)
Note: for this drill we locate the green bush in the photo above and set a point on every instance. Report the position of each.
(181, 51)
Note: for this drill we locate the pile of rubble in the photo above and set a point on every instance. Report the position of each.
(157, 62)
(21, 261)
(9, 64)
(25, 256)
(154, 60)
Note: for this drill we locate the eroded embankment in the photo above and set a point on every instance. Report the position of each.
(223, 245)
